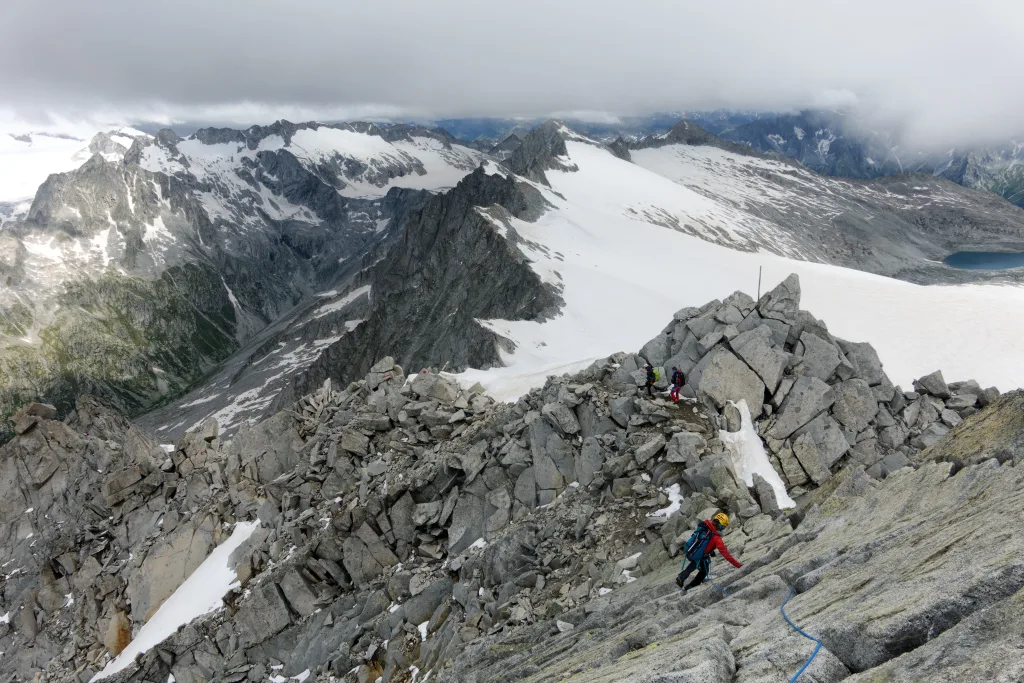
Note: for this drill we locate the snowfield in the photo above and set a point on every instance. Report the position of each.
(200, 594)
(749, 457)
(624, 269)
(443, 168)
(27, 160)
(24, 165)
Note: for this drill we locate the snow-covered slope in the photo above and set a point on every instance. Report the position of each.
(200, 594)
(26, 160)
(417, 162)
(894, 226)
(629, 247)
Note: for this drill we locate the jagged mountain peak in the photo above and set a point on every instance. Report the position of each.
(689, 133)
(543, 149)
(167, 136)
(540, 150)
(504, 149)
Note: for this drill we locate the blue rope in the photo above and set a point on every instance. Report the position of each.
(724, 592)
(798, 630)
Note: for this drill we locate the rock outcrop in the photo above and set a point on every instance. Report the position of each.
(825, 401)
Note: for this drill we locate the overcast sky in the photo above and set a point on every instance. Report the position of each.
(948, 72)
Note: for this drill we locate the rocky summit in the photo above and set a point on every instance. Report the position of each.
(405, 528)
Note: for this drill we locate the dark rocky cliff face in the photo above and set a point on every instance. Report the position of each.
(451, 267)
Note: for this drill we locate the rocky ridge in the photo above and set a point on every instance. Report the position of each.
(412, 527)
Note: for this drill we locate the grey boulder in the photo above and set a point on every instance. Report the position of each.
(865, 361)
(932, 384)
(819, 358)
(806, 400)
(855, 404)
(621, 408)
(263, 615)
(590, 461)
(757, 350)
(686, 448)
(783, 301)
(766, 495)
(650, 449)
(725, 378)
(561, 418)
(439, 388)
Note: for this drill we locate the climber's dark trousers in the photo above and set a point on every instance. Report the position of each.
(702, 574)
(649, 385)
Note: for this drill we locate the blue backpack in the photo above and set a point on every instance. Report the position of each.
(697, 546)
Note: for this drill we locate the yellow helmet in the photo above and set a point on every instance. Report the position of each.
(721, 518)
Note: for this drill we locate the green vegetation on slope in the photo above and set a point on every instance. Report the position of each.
(131, 341)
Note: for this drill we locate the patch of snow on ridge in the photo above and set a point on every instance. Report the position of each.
(45, 250)
(200, 594)
(748, 457)
(326, 142)
(623, 276)
(675, 499)
(158, 233)
(233, 299)
(122, 140)
(200, 401)
(342, 302)
(133, 132)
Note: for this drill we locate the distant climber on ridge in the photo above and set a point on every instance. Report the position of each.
(677, 384)
(701, 547)
(652, 377)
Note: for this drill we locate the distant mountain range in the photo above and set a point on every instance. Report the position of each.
(828, 142)
(484, 133)
(835, 144)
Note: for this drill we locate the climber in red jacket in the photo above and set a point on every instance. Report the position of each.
(701, 547)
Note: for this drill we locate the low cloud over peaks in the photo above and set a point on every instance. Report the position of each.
(945, 71)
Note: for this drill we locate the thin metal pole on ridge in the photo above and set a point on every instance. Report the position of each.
(759, 283)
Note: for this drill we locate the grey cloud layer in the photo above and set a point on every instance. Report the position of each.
(946, 70)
